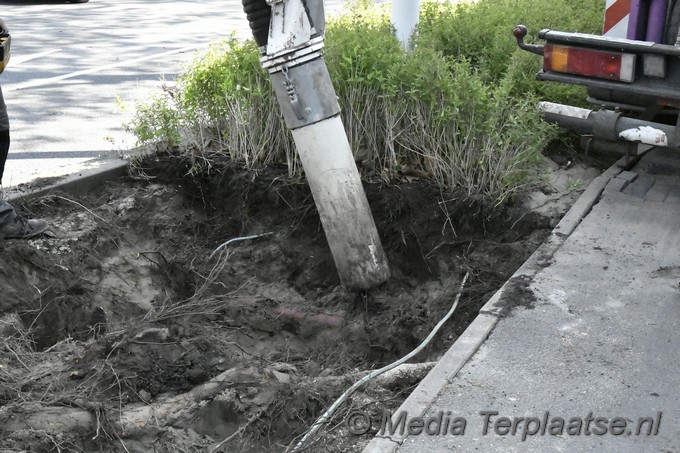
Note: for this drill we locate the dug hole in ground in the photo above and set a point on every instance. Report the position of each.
(120, 332)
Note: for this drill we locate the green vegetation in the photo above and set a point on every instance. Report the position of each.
(481, 31)
(457, 109)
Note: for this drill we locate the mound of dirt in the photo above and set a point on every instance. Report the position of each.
(122, 333)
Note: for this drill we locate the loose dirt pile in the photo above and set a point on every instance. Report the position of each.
(121, 333)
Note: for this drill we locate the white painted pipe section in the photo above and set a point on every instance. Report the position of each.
(645, 134)
(310, 107)
(405, 15)
(346, 217)
(566, 110)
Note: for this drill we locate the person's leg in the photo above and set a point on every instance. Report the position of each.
(4, 134)
(7, 214)
(4, 151)
(13, 226)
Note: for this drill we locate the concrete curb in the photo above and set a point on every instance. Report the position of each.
(81, 181)
(422, 398)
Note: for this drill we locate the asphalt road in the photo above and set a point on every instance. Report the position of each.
(71, 62)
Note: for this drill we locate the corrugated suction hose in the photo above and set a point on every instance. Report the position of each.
(259, 15)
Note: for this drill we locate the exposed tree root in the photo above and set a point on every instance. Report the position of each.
(132, 419)
(137, 419)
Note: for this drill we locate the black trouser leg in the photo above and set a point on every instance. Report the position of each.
(4, 149)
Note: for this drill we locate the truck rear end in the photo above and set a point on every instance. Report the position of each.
(631, 73)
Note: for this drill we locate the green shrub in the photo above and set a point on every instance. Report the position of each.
(458, 108)
(481, 32)
(157, 121)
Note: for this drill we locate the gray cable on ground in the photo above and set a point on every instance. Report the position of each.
(331, 410)
(245, 238)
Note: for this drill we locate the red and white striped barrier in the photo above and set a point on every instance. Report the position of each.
(616, 18)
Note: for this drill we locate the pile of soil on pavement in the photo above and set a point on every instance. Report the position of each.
(120, 331)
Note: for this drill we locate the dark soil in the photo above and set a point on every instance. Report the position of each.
(122, 305)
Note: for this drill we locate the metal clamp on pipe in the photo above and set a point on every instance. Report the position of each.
(294, 58)
(292, 52)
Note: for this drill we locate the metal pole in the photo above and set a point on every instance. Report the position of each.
(405, 15)
(292, 53)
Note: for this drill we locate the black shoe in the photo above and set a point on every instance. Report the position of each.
(22, 228)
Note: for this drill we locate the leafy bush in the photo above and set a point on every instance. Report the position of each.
(481, 31)
(458, 108)
(157, 121)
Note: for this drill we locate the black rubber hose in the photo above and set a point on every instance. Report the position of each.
(259, 14)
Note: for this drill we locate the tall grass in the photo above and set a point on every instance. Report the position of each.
(457, 109)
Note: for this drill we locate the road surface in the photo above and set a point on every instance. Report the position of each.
(72, 62)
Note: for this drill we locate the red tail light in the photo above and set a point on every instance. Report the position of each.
(589, 63)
